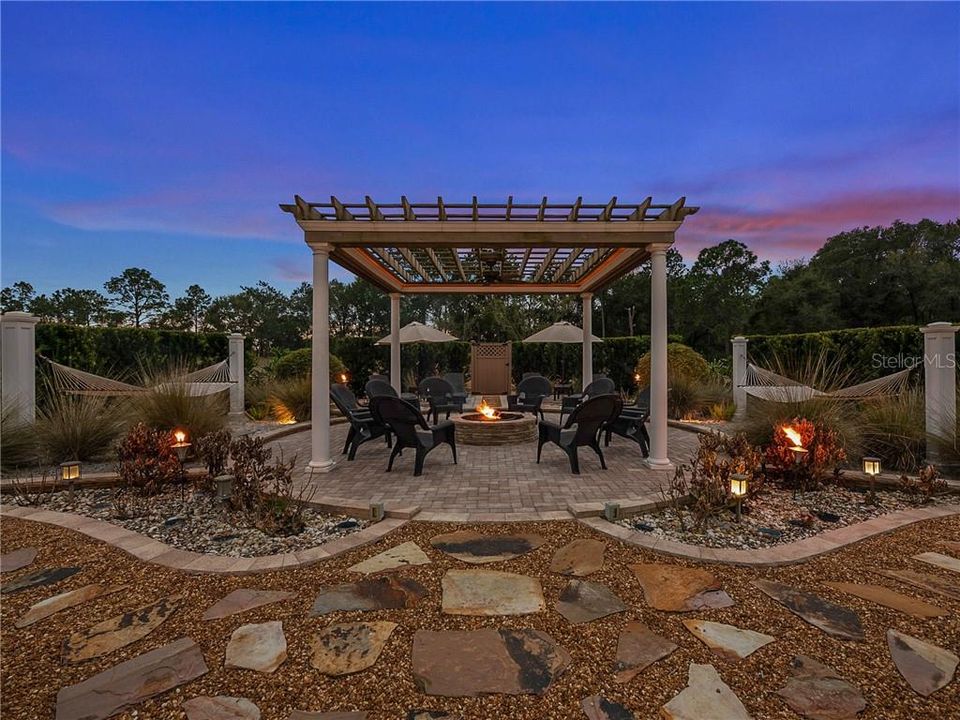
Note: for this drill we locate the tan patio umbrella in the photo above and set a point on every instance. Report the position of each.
(417, 332)
(560, 332)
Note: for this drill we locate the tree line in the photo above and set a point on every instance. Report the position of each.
(871, 276)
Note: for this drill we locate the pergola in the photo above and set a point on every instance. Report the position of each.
(482, 248)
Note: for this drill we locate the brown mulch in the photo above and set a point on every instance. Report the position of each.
(32, 672)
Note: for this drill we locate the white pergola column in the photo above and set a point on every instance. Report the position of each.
(659, 458)
(320, 460)
(395, 379)
(940, 386)
(739, 375)
(19, 364)
(587, 299)
(235, 364)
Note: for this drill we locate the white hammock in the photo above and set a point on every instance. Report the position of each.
(767, 385)
(205, 381)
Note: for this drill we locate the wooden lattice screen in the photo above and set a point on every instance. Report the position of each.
(490, 368)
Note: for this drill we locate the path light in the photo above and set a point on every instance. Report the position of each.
(224, 485)
(343, 378)
(738, 488)
(70, 473)
(636, 378)
(871, 467)
(180, 444)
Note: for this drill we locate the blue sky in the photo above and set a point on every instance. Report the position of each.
(164, 135)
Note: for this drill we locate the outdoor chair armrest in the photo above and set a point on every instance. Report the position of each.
(550, 425)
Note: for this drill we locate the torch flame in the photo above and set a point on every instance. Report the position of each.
(487, 411)
(343, 377)
(793, 436)
(179, 436)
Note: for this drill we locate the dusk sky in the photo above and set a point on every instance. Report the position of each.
(164, 135)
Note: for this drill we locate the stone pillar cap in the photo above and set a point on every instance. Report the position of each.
(941, 327)
(19, 316)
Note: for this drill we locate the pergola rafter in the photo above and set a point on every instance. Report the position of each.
(511, 247)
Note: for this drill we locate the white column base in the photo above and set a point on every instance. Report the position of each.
(321, 466)
(659, 464)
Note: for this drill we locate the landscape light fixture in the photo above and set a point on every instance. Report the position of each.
(70, 473)
(871, 468)
(738, 488)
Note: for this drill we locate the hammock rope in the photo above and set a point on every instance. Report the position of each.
(205, 381)
(768, 385)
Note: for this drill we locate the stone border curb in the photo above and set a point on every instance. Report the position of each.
(147, 549)
(785, 554)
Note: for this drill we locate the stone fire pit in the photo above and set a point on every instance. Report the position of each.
(508, 428)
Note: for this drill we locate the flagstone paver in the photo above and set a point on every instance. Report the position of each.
(832, 619)
(379, 593)
(950, 545)
(37, 578)
(706, 697)
(347, 648)
(336, 715)
(17, 559)
(119, 631)
(478, 548)
(468, 663)
(939, 560)
(679, 589)
(244, 599)
(418, 714)
(925, 581)
(728, 641)
(924, 666)
(579, 558)
(131, 682)
(490, 592)
(890, 598)
(596, 707)
(260, 646)
(637, 649)
(404, 555)
(220, 707)
(582, 601)
(818, 692)
(69, 599)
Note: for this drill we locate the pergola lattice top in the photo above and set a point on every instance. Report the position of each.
(489, 247)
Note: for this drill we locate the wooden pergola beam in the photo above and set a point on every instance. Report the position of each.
(437, 263)
(456, 261)
(413, 262)
(567, 262)
(390, 262)
(548, 258)
(341, 210)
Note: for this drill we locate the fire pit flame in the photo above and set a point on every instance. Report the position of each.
(488, 412)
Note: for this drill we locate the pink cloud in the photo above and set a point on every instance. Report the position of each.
(801, 228)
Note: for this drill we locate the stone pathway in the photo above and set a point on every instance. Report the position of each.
(17, 559)
(939, 560)
(500, 657)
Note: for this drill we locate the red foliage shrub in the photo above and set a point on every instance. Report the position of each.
(824, 451)
(147, 461)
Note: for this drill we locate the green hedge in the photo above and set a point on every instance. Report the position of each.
(867, 353)
(297, 364)
(615, 357)
(121, 352)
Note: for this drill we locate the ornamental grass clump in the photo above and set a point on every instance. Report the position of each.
(147, 461)
(77, 427)
(18, 439)
(894, 429)
(290, 400)
(168, 403)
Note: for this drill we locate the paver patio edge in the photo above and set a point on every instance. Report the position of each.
(153, 551)
(785, 554)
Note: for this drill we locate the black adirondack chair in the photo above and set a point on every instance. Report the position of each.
(459, 383)
(363, 426)
(376, 387)
(601, 385)
(440, 396)
(530, 394)
(412, 431)
(582, 428)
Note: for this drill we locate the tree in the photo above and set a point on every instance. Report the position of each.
(138, 293)
(17, 297)
(79, 307)
(188, 310)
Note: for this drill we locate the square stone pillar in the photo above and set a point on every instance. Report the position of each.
(940, 386)
(739, 375)
(237, 391)
(19, 364)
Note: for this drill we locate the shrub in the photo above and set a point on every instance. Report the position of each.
(147, 461)
(683, 363)
(297, 364)
(928, 483)
(263, 489)
(77, 427)
(689, 399)
(824, 452)
(168, 404)
(18, 439)
(894, 429)
(213, 449)
(290, 400)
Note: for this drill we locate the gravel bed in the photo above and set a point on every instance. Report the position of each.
(32, 670)
(774, 517)
(198, 522)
